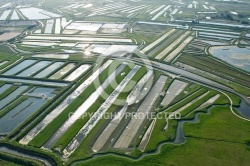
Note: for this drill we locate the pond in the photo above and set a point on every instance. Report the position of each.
(244, 109)
(233, 55)
(19, 114)
(5, 101)
(19, 67)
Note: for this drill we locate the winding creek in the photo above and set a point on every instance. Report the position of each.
(179, 139)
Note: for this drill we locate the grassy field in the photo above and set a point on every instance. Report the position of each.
(209, 142)
(8, 163)
(10, 160)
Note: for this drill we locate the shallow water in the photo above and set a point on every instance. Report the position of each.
(49, 70)
(5, 101)
(34, 68)
(236, 56)
(19, 114)
(19, 67)
(244, 109)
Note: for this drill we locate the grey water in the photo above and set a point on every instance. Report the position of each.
(49, 70)
(19, 67)
(236, 56)
(5, 101)
(33, 69)
(19, 114)
(4, 88)
(244, 109)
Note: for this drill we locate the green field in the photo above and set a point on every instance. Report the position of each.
(209, 142)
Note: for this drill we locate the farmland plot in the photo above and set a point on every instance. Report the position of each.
(86, 129)
(175, 52)
(9, 35)
(84, 26)
(49, 70)
(14, 16)
(37, 43)
(218, 35)
(49, 26)
(217, 31)
(52, 56)
(146, 136)
(63, 105)
(63, 71)
(208, 102)
(131, 98)
(161, 12)
(19, 67)
(119, 50)
(5, 15)
(171, 46)
(190, 6)
(190, 103)
(33, 13)
(6, 5)
(4, 87)
(174, 11)
(174, 90)
(138, 8)
(132, 128)
(152, 45)
(16, 116)
(33, 69)
(8, 99)
(82, 108)
(205, 7)
(157, 9)
(77, 73)
(65, 23)
(58, 26)
(86, 39)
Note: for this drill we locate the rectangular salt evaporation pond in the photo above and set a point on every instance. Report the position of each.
(14, 16)
(5, 15)
(97, 48)
(6, 5)
(19, 67)
(63, 71)
(49, 26)
(50, 14)
(49, 70)
(33, 13)
(119, 50)
(37, 82)
(83, 39)
(77, 73)
(5, 101)
(84, 26)
(33, 69)
(41, 92)
(174, 90)
(19, 114)
(4, 88)
(52, 56)
(218, 35)
(58, 26)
